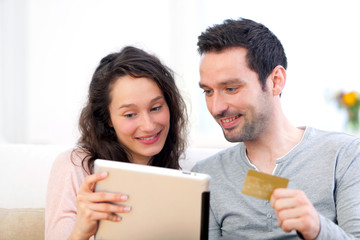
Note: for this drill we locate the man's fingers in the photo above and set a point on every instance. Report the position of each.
(286, 198)
(284, 193)
(289, 224)
(294, 211)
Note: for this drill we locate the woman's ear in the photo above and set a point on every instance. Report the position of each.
(110, 123)
(278, 77)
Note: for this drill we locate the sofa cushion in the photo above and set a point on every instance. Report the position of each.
(22, 223)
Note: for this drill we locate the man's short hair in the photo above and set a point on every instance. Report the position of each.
(264, 50)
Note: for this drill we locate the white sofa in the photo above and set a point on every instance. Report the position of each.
(24, 173)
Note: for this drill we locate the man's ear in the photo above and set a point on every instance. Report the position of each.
(278, 80)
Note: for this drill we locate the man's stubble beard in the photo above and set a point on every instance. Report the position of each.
(250, 131)
(254, 124)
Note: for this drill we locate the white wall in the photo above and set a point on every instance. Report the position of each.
(321, 39)
(50, 48)
(13, 70)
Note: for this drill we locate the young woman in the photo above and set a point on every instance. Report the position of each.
(135, 114)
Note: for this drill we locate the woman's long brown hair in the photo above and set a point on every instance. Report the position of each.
(98, 139)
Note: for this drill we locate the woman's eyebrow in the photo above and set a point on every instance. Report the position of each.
(133, 105)
(127, 105)
(157, 99)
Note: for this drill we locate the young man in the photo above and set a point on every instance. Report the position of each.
(242, 73)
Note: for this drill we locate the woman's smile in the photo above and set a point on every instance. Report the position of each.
(149, 139)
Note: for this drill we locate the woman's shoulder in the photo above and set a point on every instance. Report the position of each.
(72, 159)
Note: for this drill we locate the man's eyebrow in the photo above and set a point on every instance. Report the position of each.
(224, 83)
(202, 85)
(232, 81)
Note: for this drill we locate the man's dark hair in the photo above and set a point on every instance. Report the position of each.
(264, 50)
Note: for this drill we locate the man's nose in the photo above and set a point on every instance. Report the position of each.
(217, 104)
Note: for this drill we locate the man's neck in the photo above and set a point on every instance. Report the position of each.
(272, 145)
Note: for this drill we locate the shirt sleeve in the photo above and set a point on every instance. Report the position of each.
(65, 179)
(214, 228)
(347, 197)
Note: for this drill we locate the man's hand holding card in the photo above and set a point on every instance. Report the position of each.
(292, 207)
(262, 185)
(294, 211)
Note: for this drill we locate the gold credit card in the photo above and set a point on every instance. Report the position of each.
(261, 185)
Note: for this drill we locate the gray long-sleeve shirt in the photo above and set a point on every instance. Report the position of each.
(325, 165)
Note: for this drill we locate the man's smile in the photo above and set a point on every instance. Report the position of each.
(229, 119)
(229, 122)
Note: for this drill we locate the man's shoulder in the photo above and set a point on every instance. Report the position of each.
(218, 159)
(331, 136)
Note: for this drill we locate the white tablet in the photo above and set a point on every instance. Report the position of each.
(165, 203)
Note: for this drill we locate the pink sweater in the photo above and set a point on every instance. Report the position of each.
(64, 182)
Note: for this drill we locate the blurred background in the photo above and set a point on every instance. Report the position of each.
(50, 48)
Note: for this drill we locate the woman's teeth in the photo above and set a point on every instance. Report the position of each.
(147, 139)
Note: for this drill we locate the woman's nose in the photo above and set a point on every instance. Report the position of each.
(147, 123)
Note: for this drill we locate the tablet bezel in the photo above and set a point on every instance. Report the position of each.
(165, 202)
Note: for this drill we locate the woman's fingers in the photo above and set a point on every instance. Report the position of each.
(91, 215)
(102, 211)
(99, 205)
(86, 194)
(93, 206)
(109, 208)
(108, 197)
(99, 197)
(88, 185)
(89, 182)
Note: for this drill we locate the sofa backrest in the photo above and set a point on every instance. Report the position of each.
(24, 174)
(25, 169)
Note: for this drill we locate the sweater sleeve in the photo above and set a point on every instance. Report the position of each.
(65, 179)
(347, 197)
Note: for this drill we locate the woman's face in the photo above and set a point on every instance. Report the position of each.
(140, 116)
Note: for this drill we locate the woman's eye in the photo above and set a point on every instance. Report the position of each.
(156, 108)
(129, 115)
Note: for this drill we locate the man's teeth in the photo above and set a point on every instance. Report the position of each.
(230, 119)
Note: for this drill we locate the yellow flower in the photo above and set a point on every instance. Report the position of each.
(349, 99)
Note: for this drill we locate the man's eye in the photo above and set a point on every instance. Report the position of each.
(156, 108)
(207, 92)
(230, 90)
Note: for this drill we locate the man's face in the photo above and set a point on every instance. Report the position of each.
(234, 95)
